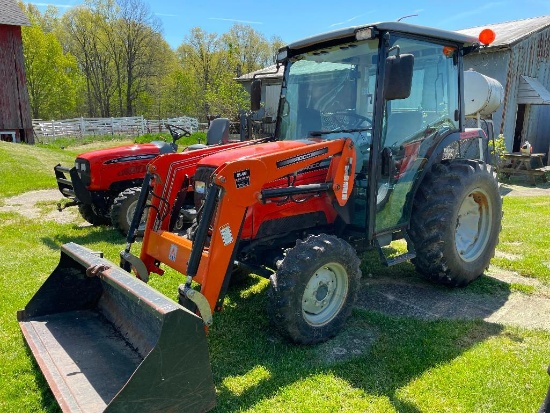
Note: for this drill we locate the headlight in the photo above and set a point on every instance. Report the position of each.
(200, 187)
(83, 168)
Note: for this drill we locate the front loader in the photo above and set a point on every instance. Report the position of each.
(370, 147)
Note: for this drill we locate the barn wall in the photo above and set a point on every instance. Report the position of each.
(531, 57)
(15, 113)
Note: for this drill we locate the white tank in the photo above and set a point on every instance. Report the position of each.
(482, 94)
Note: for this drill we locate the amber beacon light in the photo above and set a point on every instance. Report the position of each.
(487, 36)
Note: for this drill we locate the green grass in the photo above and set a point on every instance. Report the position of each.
(405, 364)
(524, 240)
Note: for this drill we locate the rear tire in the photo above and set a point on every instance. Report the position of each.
(90, 214)
(313, 292)
(456, 220)
(124, 206)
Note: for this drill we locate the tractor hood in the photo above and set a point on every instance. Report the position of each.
(252, 151)
(127, 153)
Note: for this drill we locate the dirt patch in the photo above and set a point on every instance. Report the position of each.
(421, 299)
(40, 205)
(513, 190)
(355, 339)
(507, 256)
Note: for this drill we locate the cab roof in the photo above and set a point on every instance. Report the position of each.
(406, 28)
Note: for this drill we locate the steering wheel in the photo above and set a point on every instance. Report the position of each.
(174, 131)
(338, 118)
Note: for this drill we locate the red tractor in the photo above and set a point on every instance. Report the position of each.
(105, 184)
(370, 146)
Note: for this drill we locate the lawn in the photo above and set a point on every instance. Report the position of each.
(403, 365)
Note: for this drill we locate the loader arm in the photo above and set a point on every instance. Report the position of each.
(237, 185)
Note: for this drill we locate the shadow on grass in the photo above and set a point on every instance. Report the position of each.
(377, 354)
(395, 351)
(84, 236)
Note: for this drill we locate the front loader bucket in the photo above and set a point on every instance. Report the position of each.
(111, 343)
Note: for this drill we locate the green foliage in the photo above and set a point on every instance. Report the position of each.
(196, 137)
(497, 148)
(52, 75)
(72, 143)
(115, 62)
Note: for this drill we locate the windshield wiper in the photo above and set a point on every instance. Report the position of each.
(326, 132)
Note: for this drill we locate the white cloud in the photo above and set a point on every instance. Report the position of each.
(235, 20)
(52, 4)
(348, 20)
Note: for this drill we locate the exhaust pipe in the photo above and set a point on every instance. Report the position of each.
(111, 343)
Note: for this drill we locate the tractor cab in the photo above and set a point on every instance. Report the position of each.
(395, 90)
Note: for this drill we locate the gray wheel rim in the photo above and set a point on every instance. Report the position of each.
(130, 216)
(130, 212)
(473, 225)
(325, 294)
(383, 190)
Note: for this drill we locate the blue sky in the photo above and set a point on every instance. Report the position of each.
(293, 19)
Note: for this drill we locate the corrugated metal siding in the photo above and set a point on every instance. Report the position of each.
(532, 58)
(495, 66)
(15, 111)
(529, 57)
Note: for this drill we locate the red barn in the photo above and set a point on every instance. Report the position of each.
(15, 110)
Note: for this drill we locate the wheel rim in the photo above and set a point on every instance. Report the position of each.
(130, 212)
(325, 294)
(383, 190)
(473, 225)
(130, 216)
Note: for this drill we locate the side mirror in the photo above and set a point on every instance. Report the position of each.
(398, 76)
(255, 95)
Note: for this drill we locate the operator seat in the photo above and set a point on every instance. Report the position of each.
(218, 132)
(310, 121)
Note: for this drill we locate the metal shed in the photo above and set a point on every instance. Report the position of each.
(519, 60)
(271, 87)
(15, 111)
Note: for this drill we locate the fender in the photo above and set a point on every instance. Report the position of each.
(437, 153)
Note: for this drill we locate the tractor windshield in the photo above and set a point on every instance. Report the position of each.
(329, 93)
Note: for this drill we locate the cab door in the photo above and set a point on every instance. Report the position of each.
(412, 126)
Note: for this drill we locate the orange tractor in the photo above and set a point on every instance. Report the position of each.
(370, 147)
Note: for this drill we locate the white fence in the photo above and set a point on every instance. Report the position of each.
(130, 126)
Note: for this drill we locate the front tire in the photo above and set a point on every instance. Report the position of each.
(456, 220)
(124, 206)
(90, 214)
(313, 291)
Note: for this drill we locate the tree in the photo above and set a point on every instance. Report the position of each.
(276, 44)
(52, 76)
(86, 40)
(137, 33)
(249, 47)
(202, 54)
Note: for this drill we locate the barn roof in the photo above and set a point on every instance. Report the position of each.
(11, 14)
(509, 33)
(265, 73)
